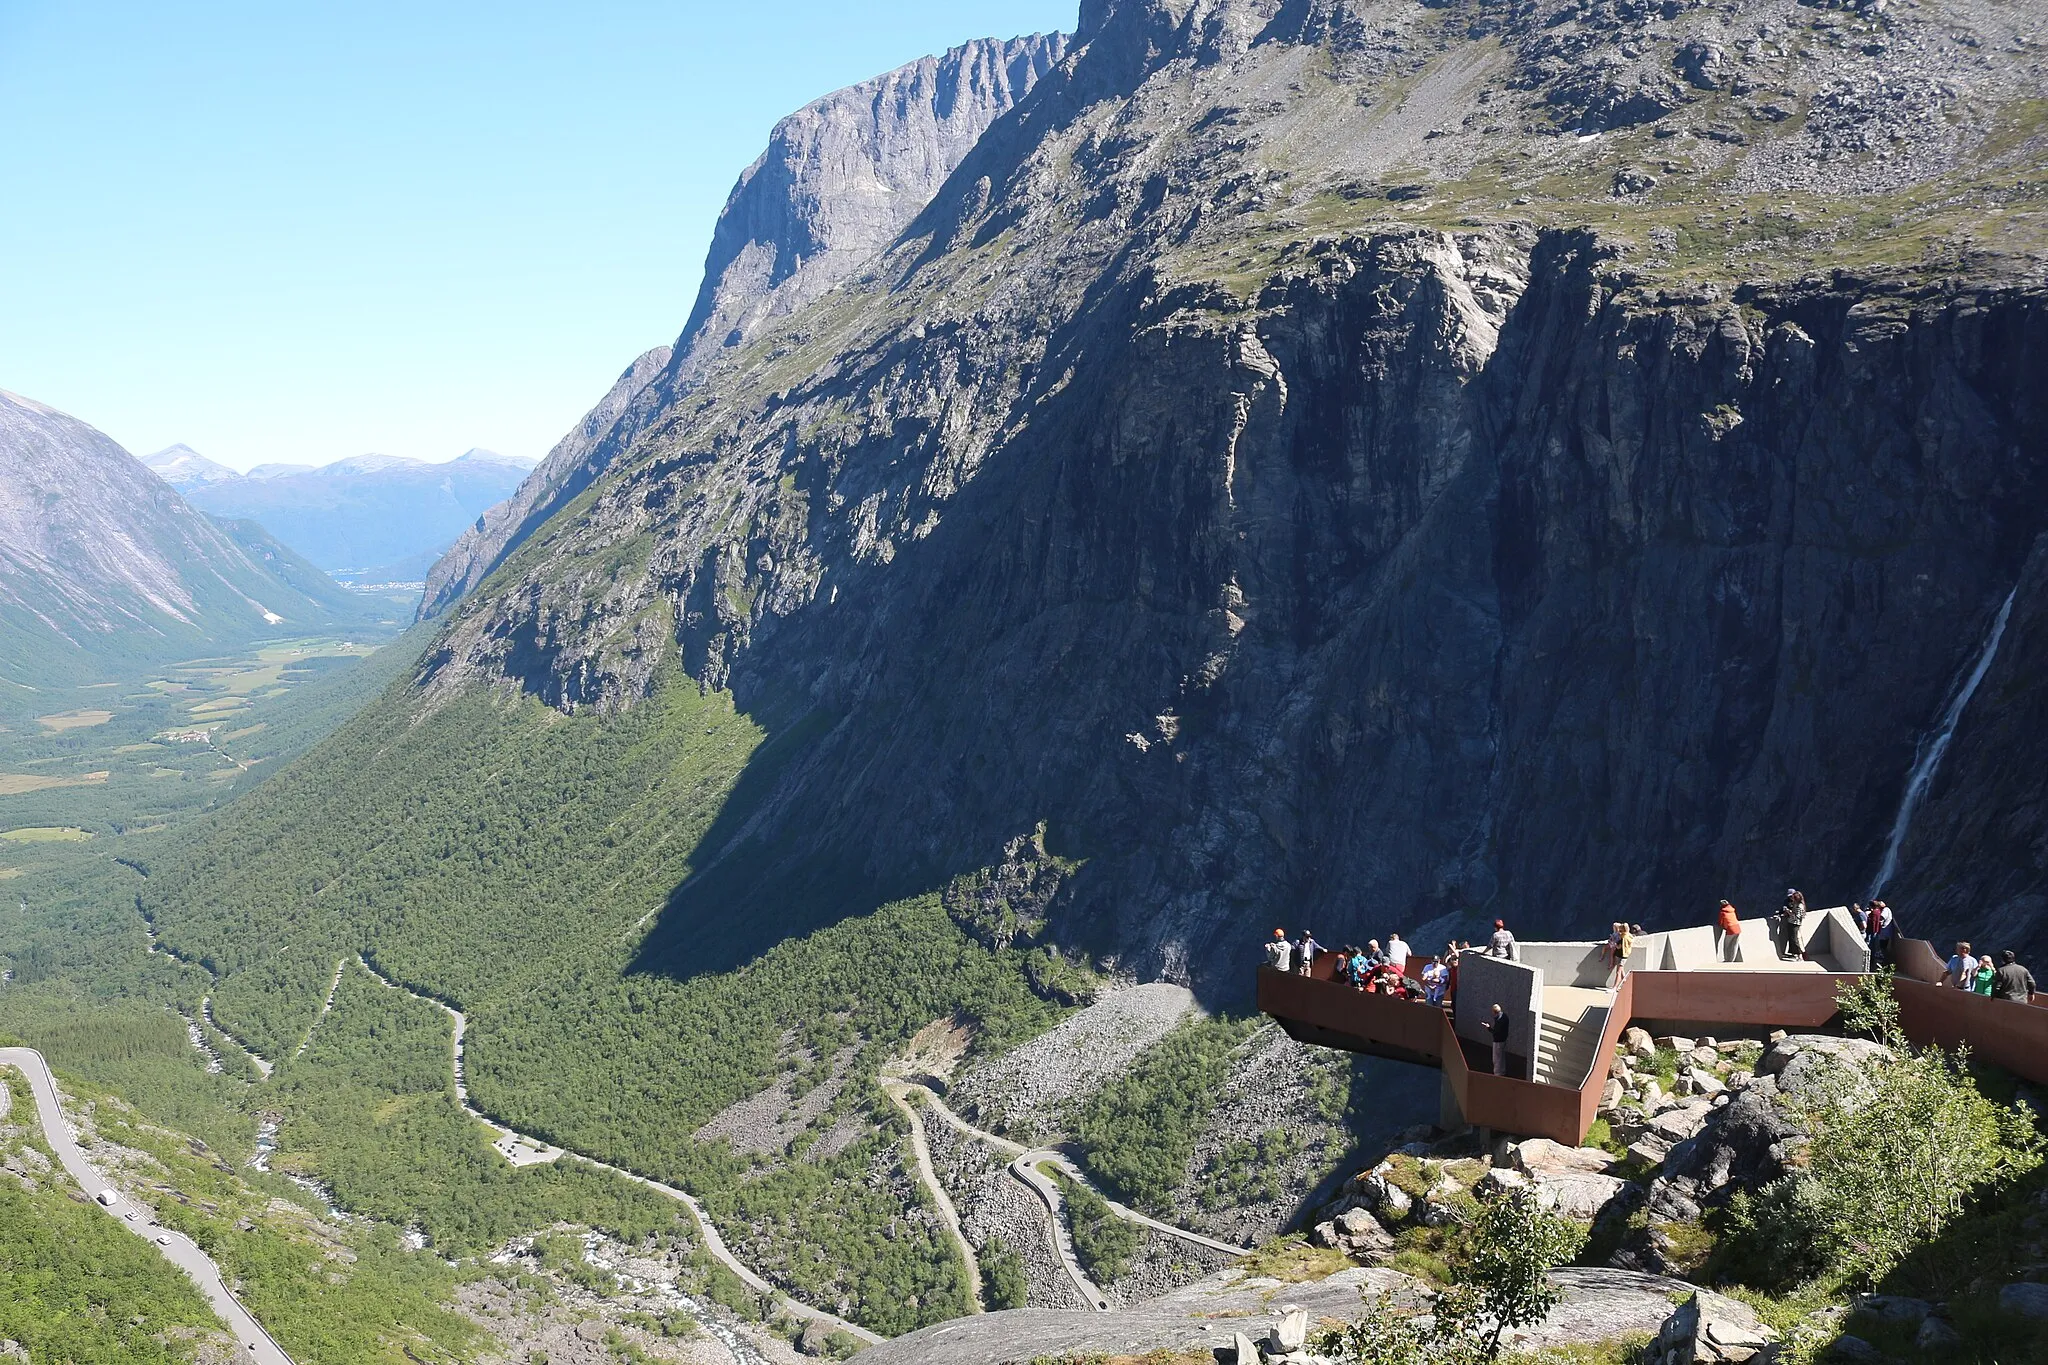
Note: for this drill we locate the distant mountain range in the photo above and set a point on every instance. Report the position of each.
(366, 519)
(103, 566)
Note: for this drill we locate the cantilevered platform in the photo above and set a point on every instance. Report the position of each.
(1566, 1017)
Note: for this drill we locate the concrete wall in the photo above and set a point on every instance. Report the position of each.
(1568, 964)
(1517, 987)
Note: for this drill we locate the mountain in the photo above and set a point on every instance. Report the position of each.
(1263, 464)
(1383, 465)
(371, 518)
(840, 178)
(104, 566)
(182, 467)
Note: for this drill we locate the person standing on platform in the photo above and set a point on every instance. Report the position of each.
(1962, 968)
(1280, 953)
(1728, 933)
(1497, 1028)
(1397, 952)
(2012, 981)
(1502, 944)
(1305, 953)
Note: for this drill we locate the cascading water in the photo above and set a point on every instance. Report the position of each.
(1934, 747)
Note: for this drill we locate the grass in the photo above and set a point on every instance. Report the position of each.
(46, 834)
(1292, 1260)
(75, 720)
(20, 784)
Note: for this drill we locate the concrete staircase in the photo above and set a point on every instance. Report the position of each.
(1570, 1036)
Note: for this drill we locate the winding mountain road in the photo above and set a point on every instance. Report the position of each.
(948, 1214)
(533, 1151)
(180, 1250)
(1025, 1164)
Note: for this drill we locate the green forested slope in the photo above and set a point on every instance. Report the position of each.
(74, 1287)
(511, 860)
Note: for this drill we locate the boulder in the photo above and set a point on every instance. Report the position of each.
(1711, 1329)
(1499, 1181)
(1704, 1082)
(1781, 1054)
(1676, 1043)
(1704, 1056)
(1611, 1093)
(1677, 1124)
(1851, 1350)
(1652, 1094)
(1649, 1150)
(1579, 1195)
(1937, 1334)
(1894, 1308)
(814, 1340)
(2027, 1299)
(1356, 1233)
(1386, 1198)
(1242, 1350)
(1437, 1210)
(1289, 1334)
(1639, 1042)
(1541, 1156)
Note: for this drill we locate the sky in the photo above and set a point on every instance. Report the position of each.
(304, 231)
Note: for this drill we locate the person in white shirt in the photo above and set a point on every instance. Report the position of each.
(1279, 952)
(1434, 978)
(1397, 952)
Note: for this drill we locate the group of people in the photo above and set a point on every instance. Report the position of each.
(2004, 979)
(1384, 971)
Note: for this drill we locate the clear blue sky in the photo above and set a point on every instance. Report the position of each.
(307, 230)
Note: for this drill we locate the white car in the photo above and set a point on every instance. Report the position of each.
(163, 1239)
(108, 1198)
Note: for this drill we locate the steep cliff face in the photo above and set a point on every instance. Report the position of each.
(840, 179)
(1367, 461)
(103, 564)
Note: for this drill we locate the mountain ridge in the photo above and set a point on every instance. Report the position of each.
(770, 516)
(101, 561)
(839, 179)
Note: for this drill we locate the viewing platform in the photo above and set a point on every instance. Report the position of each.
(1566, 1020)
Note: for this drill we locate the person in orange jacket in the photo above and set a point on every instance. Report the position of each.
(1727, 930)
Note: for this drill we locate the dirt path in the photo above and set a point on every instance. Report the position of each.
(947, 1213)
(532, 1151)
(177, 1248)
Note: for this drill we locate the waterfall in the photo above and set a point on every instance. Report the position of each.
(1934, 746)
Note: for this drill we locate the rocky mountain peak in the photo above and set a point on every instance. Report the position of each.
(839, 181)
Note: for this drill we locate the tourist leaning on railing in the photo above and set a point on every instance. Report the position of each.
(1961, 971)
(1279, 952)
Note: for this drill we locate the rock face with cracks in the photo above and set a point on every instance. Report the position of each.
(1256, 464)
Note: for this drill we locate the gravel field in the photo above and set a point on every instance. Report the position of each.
(1162, 1265)
(765, 1122)
(1030, 1092)
(1278, 1090)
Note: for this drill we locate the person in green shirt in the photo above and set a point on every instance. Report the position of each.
(1986, 974)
